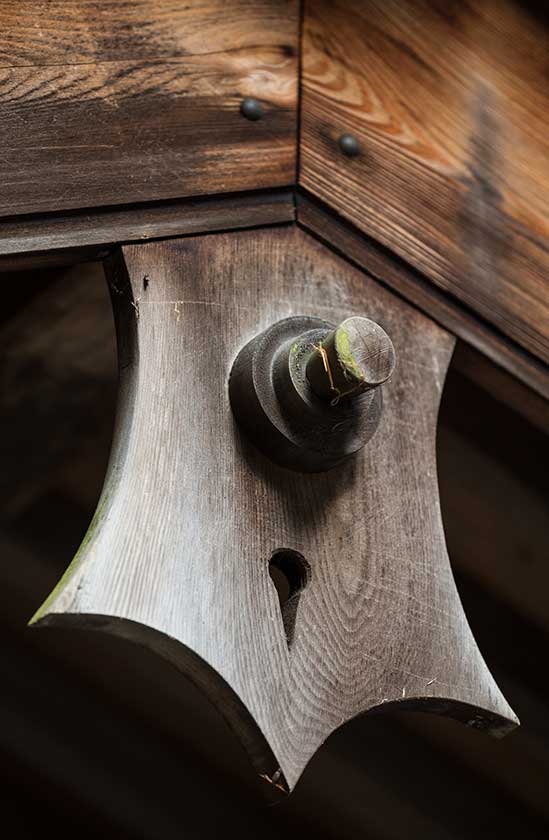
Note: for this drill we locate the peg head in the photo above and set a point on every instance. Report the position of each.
(307, 393)
(355, 357)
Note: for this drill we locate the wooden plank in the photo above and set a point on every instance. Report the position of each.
(58, 357)
(106, 102)
(49, 260)
(177, 557)
(54, 32)
(61, 232)
(446, 310)
(450, 109)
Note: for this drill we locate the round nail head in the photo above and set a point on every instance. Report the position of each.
(251, 108)
(349, 145)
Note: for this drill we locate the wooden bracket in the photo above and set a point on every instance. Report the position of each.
(193, 520)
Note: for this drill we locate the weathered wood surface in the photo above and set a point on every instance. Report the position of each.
(135, 741)
(450, 106)
(105, 102)
(20, 238)
(177, 556)
(408, 282)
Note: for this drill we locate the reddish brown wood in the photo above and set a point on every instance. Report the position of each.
(450, 111)
(380, 263)
(103, 102)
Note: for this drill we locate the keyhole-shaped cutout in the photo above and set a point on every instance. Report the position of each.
(290, 573)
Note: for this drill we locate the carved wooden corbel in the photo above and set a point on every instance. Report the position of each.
(195, 520)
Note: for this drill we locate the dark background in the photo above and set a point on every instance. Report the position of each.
(98, 738)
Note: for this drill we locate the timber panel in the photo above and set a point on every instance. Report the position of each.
(115, 102)
(450, 106)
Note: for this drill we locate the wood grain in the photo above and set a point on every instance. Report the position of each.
(177, 555)
(446, 310)
(105, 102)
(71, 233)
(371, 759)
(451, 110)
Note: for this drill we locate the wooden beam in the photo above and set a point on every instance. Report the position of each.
(347, 239)
(132, 704)
(450, 114)
(103, 103)
(497, 540)
(83, 235)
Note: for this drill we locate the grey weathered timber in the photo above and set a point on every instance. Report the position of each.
(178, 554)
(91, 231)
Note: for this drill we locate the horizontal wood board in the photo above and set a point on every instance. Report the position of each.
(22, 237)
(445, 309)
(450, 105)
(109, 102)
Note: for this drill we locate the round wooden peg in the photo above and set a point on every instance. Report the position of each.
(355, 357)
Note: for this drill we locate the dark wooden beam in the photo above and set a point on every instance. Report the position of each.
(502, 385)
(346, 239)
(65, 238)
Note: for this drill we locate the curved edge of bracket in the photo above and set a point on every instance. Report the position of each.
(476, 717)
(213, 687)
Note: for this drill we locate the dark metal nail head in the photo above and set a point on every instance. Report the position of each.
(349, 145)
(251, 108)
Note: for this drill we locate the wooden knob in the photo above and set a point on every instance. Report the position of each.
(355, 357)
(278, 408)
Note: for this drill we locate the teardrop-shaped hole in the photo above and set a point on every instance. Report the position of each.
(290, 573)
